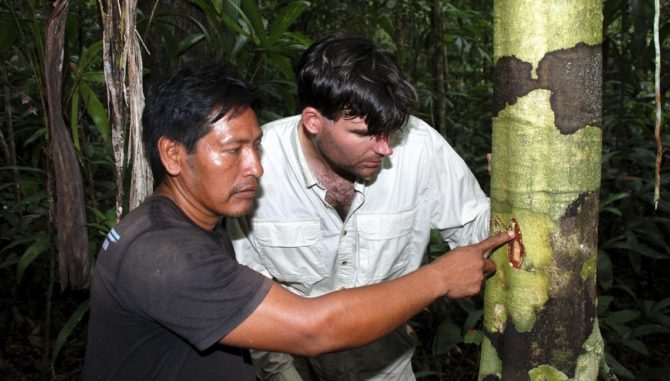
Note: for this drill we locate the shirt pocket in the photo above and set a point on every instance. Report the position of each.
(292, 251)
(385, 245)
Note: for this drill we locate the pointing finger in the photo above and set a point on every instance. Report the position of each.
(496, 240)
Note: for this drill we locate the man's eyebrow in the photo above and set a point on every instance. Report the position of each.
(230, 139)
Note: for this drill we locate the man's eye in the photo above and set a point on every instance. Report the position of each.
(232, 150)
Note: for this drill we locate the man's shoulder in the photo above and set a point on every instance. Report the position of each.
(419, 134)
(418, 127)
(156, 212)
(282, 125)
(156, 219)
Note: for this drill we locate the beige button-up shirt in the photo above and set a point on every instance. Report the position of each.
(296, 238)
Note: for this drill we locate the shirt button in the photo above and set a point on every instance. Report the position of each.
(344, 232)
(344, 263)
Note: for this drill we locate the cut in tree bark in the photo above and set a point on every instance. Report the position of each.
(540, 307)
(72, 237)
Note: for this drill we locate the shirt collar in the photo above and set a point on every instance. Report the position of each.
(308, 176)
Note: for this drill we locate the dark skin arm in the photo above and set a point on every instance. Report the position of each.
(285, 322)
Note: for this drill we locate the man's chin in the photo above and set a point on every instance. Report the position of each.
(368, 173)
(240, 211)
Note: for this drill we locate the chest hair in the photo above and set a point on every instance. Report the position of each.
(340, 192)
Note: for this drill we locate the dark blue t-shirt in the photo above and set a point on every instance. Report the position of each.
(164, 292)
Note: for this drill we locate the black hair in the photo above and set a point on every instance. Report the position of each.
(185, 106)
(344, 75)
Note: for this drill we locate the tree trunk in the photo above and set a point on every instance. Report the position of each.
(540, 307)
(439, 68)
(123, 76)
(72, 239)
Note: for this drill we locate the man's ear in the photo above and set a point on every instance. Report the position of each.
(171, 154)
(312, 120)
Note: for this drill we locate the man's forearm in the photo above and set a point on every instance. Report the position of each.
(355, 317)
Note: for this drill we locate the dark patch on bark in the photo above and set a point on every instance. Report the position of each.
(514, 350)
(511, 80)
(566, 320)
(574, 77)
(573, 209)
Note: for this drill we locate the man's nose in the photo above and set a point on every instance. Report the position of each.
(382, 146)
(252, 164)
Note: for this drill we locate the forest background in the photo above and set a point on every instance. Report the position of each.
(445, 48)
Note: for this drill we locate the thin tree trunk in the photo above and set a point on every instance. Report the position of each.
(440, 68)
(123, 76)
(141, 179)
(70, 203)
(115, 74)
(540, 307)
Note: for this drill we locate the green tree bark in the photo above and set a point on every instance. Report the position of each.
(540, 311)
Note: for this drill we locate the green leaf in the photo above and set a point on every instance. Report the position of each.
(95, 109)
(604, 302)
(639, 248)
(74, 119)
(621, 329)
(605, 270)
(302, 40)
(68, 327)
(473, 337)
(614, 197)
(89, 58)
(618, 368)
(22, 169)
(637, 346)
(286, 17)
(11, 260)
(38, 134)
(664, 320)
(612, 210)
(472, 319)
(40, 245)
(649, 329)
(189, 42)
(448, 335)
(255, 19)
(208, 7)
(94, 76)
(659, 307)
(624, 316)
(234, 25)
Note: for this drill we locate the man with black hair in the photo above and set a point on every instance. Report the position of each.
(170, 302)
(353, 187)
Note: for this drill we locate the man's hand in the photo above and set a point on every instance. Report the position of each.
(464, 269)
